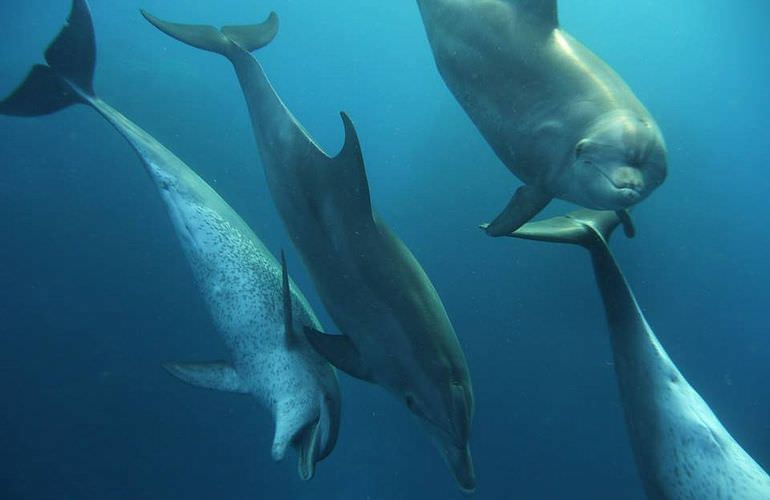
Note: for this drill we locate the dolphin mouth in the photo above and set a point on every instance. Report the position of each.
(629, 193)
(461, 464)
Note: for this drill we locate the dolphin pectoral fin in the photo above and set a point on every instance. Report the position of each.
(629, 229)
(524, 205)
(340, 352)
(218, 375)
(306, 443)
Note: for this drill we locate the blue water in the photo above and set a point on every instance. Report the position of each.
(95, 293)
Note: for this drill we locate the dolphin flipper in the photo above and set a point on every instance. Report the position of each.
(629, 228)
(527, 202)
(219, 375)
(340, 352)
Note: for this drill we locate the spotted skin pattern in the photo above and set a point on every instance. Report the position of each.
(240, 280)
(682, 450)
(241, 283)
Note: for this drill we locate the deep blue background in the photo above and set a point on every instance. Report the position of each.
(95, 293)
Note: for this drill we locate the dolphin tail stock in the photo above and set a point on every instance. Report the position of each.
(67, 79)
(248, 37)
(592, 230)
(587, 228)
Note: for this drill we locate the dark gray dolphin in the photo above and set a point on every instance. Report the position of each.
(240, 280)
(682, 450)
(396, 331)
(556, 115)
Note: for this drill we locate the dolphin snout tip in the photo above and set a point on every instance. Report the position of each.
(630, 195)
(468, 489)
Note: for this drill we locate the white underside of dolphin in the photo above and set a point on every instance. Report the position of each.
(682, 450)
(240, 280)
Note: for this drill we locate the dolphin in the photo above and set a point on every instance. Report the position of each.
(240, 280)
(554, 113)
(396, 332)
(681, 448)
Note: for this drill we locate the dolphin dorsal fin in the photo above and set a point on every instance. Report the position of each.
(349, 183)
(544, 11)
(288, 316)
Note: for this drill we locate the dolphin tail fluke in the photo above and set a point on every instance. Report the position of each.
(582, 227)
(68, 77)
(248, 37)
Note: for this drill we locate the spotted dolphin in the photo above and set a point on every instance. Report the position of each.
(555, 114)
(396, 332)
(238, 277)
(682, 450)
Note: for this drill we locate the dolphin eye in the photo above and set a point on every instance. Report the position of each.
(410, 402)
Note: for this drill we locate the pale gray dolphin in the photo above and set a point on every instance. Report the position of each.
(682, 450)
(556, 115)
(396, 331)
(239, 278)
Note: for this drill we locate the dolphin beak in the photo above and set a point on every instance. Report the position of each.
(461, 463)
(629, 180)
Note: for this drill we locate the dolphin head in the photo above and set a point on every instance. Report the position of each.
(618, 162)
(445, 409)
(196, 211)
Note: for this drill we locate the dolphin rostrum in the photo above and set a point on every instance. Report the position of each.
(239, 278)
(396, 332)
(682, 450)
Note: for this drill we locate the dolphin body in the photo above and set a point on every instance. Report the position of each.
(240, 280)
(682, 450)
(554, 113)
(396, 332)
